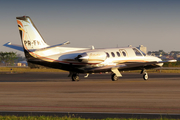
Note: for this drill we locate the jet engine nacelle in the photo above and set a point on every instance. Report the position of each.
(92, 57)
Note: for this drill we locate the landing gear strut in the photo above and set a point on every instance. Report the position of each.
(114, 77)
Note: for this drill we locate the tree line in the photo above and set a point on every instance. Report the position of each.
(9, 58)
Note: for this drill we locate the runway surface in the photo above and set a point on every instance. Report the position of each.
(55, 92)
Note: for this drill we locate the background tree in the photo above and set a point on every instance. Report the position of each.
(8, 58)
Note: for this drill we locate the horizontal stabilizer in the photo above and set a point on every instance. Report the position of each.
(14, 46)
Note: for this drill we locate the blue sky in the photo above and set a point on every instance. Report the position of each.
(102, 23)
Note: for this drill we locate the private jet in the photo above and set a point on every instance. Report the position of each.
(81, 60)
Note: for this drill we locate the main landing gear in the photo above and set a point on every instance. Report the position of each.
(75, 77)
(114, 77)
(115, 74)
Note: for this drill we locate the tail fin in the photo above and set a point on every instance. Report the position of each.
(31, 40)
(30, 36)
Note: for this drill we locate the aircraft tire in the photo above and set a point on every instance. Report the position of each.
(114, 77)
(145, 76)
(75, 77)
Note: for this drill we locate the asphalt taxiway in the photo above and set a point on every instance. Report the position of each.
(55, 92)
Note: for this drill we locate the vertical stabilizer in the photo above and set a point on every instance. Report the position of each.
(30, 36)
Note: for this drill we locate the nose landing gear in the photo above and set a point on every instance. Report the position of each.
(145, 75)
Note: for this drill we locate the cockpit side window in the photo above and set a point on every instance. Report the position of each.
(137, 52)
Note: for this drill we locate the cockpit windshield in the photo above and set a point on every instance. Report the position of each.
(143, 53)
(138, 52)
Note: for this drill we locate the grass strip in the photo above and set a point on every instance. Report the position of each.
(27, 69)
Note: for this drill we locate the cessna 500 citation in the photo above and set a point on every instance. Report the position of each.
(81, 60)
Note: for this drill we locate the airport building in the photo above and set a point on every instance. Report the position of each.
(142, 48)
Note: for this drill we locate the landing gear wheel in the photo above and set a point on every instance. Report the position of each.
(114, 77)
(145, 76)
(75, 77)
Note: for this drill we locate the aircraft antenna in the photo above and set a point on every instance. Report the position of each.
(92, 47)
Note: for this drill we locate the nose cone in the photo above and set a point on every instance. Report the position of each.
(159, 59)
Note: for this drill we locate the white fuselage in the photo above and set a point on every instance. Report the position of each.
(95, 57)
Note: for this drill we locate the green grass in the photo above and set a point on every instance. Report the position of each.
(26, 69)
(174, 64)
(66, 118)
(37, 118)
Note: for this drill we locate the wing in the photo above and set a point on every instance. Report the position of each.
(130, 66)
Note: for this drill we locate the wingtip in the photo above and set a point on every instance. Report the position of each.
(8, 43)
(172, 60)
(67, 42)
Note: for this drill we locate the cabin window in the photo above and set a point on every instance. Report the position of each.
(118, 54)
(112, 54)
(124, 53)
(107, 54)
(137, 52)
